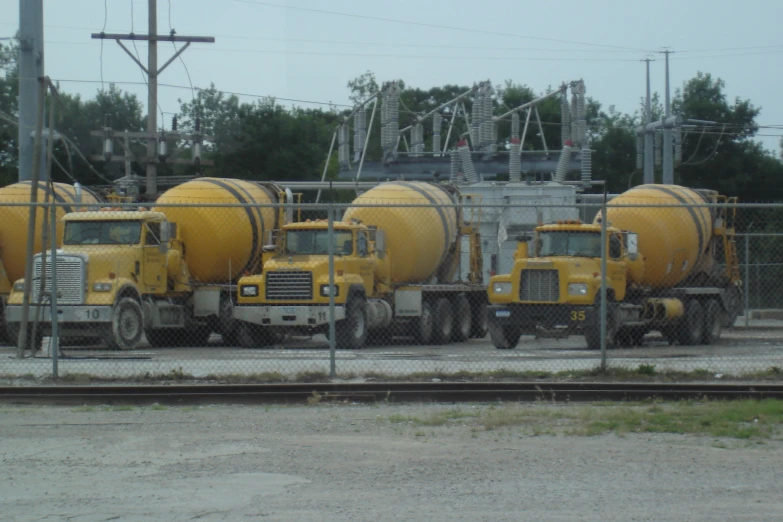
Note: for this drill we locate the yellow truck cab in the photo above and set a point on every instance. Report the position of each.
(671, 266)
(112, 269)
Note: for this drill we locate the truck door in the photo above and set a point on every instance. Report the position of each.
(154, 260)
(615, 268)
(365, 260)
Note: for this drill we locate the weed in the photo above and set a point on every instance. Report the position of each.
(646, 369)
(314, 399)
(419, 434)
(83, 409)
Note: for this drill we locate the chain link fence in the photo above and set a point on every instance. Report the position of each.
(434, 285)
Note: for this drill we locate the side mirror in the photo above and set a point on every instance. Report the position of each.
(632, 245)
(167, 231)
(380, 243)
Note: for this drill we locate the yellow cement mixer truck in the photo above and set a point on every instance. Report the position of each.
(671, 266)
(168, 272)
(396, 273)
(14, 221)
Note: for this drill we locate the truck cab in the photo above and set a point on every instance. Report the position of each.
(554, 287)
(292, 293)
(110, 268)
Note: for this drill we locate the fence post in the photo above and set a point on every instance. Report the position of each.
(330, 247)
(747, 280)
(54, 340)
(603, 282)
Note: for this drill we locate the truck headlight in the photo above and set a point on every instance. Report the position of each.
(19, 287)
(249, 291)
(101, 287)
(501, 288)
(325, 290)
(577, 289)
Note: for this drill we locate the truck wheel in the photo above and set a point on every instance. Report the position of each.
(504, 337)
(159, 337)
(226, 322)
(691, 327)
(351, 332)
(734, 307)
(443, 322)
(480, 324)
(251, 335)
(712, 322)
(462, 319)
(424, 325)
(593, 331)
(127, 325)
(14, 329)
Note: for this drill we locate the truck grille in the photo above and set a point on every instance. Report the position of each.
(289, 285)
(70, 279)
(540, 285)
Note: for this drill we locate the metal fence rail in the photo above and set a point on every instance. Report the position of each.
(378, 291)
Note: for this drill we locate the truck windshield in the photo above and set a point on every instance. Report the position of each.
(316, 242)
(580, 244)
(102, 233)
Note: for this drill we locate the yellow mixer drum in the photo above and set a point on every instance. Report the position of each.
(417, 239)
(673, 231)
(220, 242)
(14, 220)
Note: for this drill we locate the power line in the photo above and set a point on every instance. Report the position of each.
(435, 26)
(172, 32)
(105, 19)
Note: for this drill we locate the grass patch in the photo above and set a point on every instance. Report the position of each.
(755, 420)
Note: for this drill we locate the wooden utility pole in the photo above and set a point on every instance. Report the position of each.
(153, 72)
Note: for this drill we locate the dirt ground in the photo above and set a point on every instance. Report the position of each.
(360, 462)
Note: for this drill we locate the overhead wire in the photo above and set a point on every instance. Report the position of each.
(172, 32)
(105, 20)
(434, 26)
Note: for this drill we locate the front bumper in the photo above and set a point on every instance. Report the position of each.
(281, 315)
(83, 314)
(530, 318)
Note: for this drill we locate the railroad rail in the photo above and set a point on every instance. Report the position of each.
(179, 394)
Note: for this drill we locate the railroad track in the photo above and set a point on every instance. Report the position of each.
(379, 391)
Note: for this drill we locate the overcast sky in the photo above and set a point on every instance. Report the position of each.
(309, 49)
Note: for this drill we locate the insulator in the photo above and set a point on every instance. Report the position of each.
(197, 153)
(342, 144)
(493, 146)
(678, 144)
(417, 139)
(515, 125)
(174, 123)
(108, 148)
(562, 164)
(475, 124)
(587, 166)
(107, 121)
(565, 117)
(582, 132)
(394, 116)
(486, 117)
(384, 121)
(658, 148)
(467, 162)
(162, 148)
(514, 161)
(198, 124)
(455, 167)
(359, 132)
(639, 152)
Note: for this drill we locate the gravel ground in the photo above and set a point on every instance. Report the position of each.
(358, 462)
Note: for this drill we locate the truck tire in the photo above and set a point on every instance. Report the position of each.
(443, 322)
(159, 337)
(463, 320)
(424, 325)
(226, 322)
(351, 332)
(734, 307)
(593, 331)
(713, 322)
(14, 329)
(690, 331)
(127, 325)
(504, 337)
(480, 323)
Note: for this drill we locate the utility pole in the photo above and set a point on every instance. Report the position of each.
(153, 72)
(31, 68)
(668, 164)
(649, 172)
